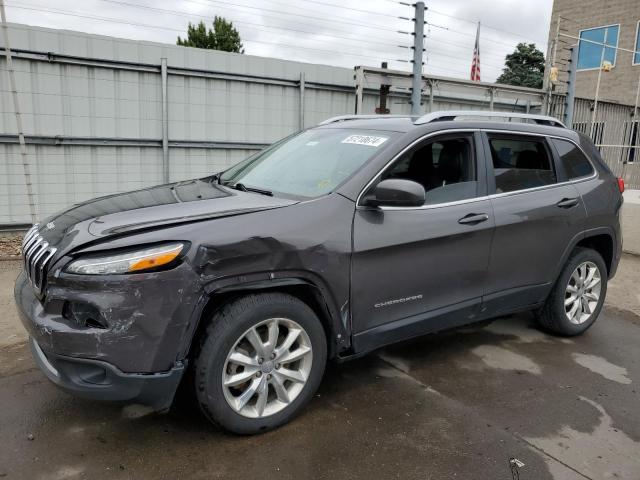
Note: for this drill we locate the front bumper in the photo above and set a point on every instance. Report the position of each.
(137, 355)
(98, 380)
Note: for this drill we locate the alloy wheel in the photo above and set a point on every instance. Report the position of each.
(583, 292)
(267, 368)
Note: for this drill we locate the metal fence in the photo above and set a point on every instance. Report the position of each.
(614, 130)
(103, 115)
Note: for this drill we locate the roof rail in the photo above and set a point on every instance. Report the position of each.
(342, 118)
(453, 114)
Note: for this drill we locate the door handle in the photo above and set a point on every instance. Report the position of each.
(474, 218)
(567, 203)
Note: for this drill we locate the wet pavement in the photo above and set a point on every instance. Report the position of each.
(453, 405)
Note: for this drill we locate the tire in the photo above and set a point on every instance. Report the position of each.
(554, 316)
(232, 329)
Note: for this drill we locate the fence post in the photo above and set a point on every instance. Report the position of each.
(301, 120)
(26, 168)
(165, 121)
(359, 89)
(431, 82)
(491, 97)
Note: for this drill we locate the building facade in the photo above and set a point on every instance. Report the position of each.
(598, 27)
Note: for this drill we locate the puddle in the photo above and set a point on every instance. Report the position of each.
(604, 453)
(502, 359)
(397, 362)
(515, 327)
(602, 367)
(136, 411)
(64, 473)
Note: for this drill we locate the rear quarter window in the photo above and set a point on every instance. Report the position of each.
(573, 161)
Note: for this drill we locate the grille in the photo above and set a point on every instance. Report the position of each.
(36, 253)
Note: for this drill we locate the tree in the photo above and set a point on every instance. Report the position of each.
(223, 36)
(524, 67)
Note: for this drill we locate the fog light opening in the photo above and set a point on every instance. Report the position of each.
(83, 315)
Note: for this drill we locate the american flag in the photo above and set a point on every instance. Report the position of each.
(475, 63)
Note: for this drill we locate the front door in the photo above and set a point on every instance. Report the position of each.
(412, 264)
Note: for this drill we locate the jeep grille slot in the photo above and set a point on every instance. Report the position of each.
(36, 253)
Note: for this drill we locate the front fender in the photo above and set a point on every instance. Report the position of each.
(336, 317)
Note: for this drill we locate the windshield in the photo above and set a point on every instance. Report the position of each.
(309, 164)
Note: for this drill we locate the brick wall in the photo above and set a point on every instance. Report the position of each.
(621, 83)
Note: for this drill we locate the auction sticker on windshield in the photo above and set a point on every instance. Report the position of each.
(365, 140)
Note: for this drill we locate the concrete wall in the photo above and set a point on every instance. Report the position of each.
(631, 221)
(620, 84)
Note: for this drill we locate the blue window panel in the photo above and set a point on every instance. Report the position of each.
(636, 56)
(589, 54)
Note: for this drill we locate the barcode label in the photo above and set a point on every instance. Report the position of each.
(365, 140)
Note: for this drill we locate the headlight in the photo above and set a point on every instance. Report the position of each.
(129, 262)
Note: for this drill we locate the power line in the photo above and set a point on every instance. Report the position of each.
(330, 20)
(136, 24)
(281, 44)
(242, 22)
(448, 55)
(510, 45)
(189, 15)
(475, 23)
(261, 15)
(368, 12)
(462, 45)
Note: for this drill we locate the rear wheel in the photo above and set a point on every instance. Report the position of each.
(577, 297)
(261, 360)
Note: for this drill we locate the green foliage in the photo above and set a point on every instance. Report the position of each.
(524, 67)
(223, 36)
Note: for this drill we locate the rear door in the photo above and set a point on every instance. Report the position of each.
(537, 215)
(413, 264)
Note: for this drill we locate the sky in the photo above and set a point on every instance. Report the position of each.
(334, 32)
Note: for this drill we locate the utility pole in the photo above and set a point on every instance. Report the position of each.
(418, 48)
(571, 87)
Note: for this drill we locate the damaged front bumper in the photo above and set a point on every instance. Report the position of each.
(133, 350)
(98, 380)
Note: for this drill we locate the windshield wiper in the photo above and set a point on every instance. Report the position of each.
(244, 188)
(216, 177)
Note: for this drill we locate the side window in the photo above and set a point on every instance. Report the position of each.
(446, 168)
(573, 161)
(520, 163)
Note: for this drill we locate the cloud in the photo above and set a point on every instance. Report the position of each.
(335, 32)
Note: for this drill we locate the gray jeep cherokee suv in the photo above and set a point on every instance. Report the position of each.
(333, 242)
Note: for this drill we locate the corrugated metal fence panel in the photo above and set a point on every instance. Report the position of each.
(220, 110)
(83, 102)
(201, 162)
(64, 175)
(322, 104)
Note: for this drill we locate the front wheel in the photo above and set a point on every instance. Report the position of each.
(261, 360)
(577, 297)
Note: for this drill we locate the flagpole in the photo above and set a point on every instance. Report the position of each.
(475, 63)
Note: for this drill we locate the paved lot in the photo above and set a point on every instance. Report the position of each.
(454, 405)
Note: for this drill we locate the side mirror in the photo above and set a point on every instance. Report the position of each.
(395, 192)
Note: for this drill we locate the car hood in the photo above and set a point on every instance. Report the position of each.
(170, 204)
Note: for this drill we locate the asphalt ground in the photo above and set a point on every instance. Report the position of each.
(458, 404)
